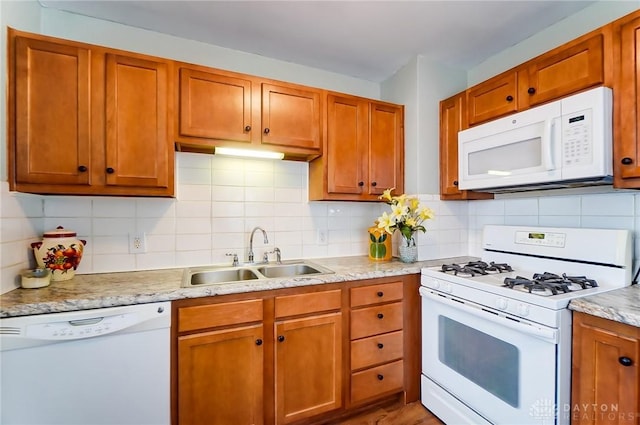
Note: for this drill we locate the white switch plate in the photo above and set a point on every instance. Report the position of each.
(321, 237)
(137, 243)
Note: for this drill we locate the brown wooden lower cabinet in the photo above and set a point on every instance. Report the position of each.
(291, 356)
(605, 376)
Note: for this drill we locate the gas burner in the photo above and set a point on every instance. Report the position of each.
(473, 268)
(550, 282)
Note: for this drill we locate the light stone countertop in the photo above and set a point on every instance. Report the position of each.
(90, 291)
(620, 305)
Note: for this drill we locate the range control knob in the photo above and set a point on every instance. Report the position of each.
(502, 304)
(448, 288)
(523, 309)
(435, 284)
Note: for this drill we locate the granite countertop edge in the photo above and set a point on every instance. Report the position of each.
(620, 305)
(90, 291)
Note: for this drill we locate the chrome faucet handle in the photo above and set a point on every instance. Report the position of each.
(276, 250)
(235, 258)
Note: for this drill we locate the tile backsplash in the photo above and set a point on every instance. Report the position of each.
(220, 200)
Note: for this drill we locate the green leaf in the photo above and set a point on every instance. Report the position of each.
(372, 237)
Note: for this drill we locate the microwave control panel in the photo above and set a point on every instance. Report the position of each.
(576, 139)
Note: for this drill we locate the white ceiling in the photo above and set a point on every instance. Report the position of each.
(364, 39)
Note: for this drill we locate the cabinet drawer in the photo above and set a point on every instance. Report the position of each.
(376, 349)
(375, 294)
(376, 381)
(213, 315)
(292, 305)
(376, 320)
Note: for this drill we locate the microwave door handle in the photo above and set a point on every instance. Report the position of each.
(548, 141)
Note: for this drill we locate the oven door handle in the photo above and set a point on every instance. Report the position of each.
(540, 332)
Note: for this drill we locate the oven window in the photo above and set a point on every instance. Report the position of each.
(487, 361)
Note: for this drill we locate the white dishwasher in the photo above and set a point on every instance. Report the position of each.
(105, 366)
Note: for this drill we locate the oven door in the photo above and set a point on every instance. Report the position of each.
(502, 369)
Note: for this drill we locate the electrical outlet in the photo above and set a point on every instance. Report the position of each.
(137, 243)
(321, 237)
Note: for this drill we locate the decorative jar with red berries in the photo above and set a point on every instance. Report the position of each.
(60, 251)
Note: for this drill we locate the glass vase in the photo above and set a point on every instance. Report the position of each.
(408, 250)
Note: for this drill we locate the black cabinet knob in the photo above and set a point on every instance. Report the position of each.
(380, 294)
(82, 168)
(626, 160)
(625, 361)
(380, 315)
(509, 98)
(266, 131)
(360, 184)
(258, 341)
(380, 345)
(455, 182)
(380, 377)
(110, 170)
(280, 338)
(247, 128)
(374, 184)
(531, 90)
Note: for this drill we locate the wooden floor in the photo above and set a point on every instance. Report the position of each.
(395, 414)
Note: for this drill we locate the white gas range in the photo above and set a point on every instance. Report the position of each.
(497, 332)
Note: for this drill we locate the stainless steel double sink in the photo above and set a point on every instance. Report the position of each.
(218, 275)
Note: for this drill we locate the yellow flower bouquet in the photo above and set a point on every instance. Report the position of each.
(407, 216)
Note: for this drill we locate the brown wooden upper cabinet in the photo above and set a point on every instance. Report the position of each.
(87, 120)
(363, 150)
(570, 68)
(452, 120)
(220, 108)
(626, 145)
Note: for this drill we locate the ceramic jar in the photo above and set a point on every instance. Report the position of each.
(379, 244)
(60, 251)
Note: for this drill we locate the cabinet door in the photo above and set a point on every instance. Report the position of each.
(347, 134)
(308, 372)
(626, 146)
(291, 117)
(569, 70)
(493, 98)
(605, 372)
(138, 147)
(386, 148)
(453, 115)
(220, 377)
(52, 113)
(214, 106)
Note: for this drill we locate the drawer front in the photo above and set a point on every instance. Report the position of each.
(375, 294)
(376, 349)
(314, 302)
(214, 315)
(376, 320)
(377, 381)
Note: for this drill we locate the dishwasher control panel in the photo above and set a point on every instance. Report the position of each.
(82, 328)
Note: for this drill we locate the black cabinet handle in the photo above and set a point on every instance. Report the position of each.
(380, 315)
(110, 170)
(280, 338)
(531, 90)
(380, 377)
(360, 184)
(455, 182)
(380, 345)
(258, 341)
(380, 294)
(625, 361)
(509, 98)
(374, 184)
(247, 128)
(266, 131)
(82, 168)
(626, 160)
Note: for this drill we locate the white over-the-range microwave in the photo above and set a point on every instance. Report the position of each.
(565, 143)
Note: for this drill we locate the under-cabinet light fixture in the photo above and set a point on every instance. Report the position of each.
(248, 153)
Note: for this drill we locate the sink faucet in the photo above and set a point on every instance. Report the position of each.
(266, 241)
